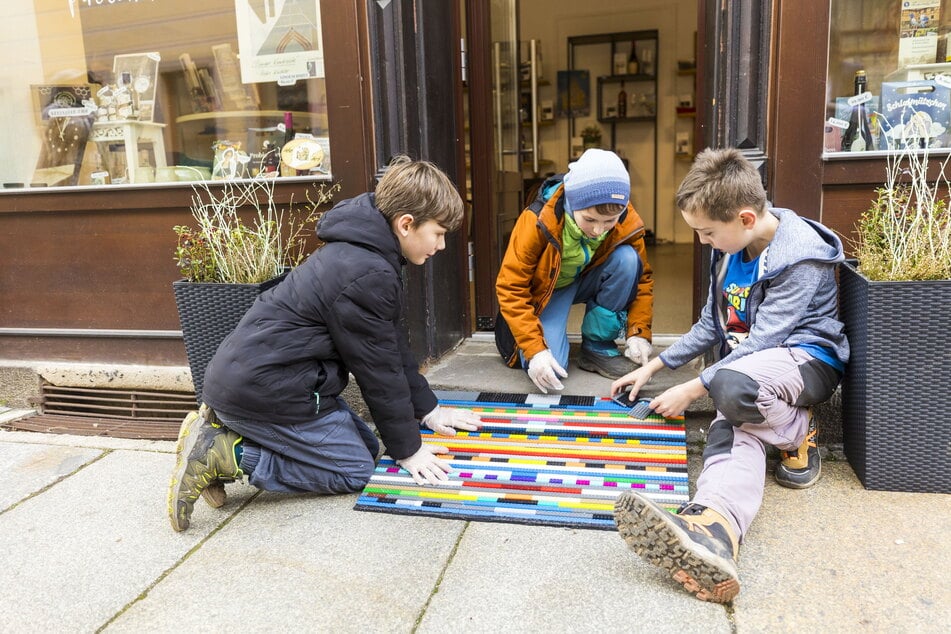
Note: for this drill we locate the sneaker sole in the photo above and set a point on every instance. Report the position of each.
(792, 480)
(650, 532)
(186, 442)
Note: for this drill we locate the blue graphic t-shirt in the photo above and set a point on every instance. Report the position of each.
(740, 276)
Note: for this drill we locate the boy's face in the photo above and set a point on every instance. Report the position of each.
(593, 224)
(418, 244)
(730, 237)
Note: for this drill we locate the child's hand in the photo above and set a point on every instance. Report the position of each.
(446, 420)
(544, 371)
(425, 467)
(636, 379)
(674, 402)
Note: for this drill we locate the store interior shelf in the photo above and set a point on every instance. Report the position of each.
(649, 118)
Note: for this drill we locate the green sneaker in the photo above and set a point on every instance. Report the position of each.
(204, 458)
(696, 545)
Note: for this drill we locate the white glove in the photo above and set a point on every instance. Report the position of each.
(638, 350)
(446, 420)
(544, 371)
(426, 466)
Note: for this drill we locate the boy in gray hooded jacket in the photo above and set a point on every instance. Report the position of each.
(772, 319)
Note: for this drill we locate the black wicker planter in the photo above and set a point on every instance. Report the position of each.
(896, 394)
(208, 313)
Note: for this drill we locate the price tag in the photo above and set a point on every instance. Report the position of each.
(838, 123)
(70, 112)
(289, 79)
(863, 98)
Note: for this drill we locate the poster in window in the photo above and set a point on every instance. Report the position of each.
(64, 116)
(574, 93)
(279, 40)
(918, 32)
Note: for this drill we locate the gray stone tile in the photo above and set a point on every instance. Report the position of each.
(512, 578)
(87, 546)
(27, 469)
(302, 563)
(839, 558)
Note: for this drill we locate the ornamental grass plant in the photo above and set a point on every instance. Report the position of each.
(906, 232)
(222, 247)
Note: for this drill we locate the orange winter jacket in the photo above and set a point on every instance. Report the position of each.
(532, 264)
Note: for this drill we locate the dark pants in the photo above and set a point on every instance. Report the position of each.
(335, 453)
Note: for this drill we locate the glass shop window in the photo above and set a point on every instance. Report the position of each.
(128, 92)
(889, 77)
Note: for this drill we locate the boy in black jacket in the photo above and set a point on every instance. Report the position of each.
(271, 408)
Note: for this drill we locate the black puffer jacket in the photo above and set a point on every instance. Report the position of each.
(338, 312)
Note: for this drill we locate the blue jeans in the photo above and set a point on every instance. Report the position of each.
(609, 287)
(335, 453)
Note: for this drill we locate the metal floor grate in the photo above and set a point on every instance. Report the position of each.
(139, 414)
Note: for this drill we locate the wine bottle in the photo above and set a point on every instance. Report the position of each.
(288, 127)
(632, 65)
(289, 134)
(622, 103)
(858, 136)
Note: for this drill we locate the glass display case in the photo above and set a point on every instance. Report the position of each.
(146, 92)
(889, 77)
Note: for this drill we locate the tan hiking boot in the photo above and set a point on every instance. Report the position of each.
(800, 469)
(204, 457)
(696, 545)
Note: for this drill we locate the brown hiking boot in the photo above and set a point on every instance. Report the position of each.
(214, 494)
(204, 457)
(801, 468)
(696, 545)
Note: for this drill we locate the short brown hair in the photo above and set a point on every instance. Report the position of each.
(420, 189)
(609, 209)
(721, 183)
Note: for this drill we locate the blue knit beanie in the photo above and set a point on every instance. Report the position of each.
(596, 178)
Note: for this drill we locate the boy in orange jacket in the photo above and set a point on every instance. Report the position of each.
(579, 242)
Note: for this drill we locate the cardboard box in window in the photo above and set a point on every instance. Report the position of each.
(917, 112)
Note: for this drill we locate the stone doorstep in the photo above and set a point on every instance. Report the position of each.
(23, 382)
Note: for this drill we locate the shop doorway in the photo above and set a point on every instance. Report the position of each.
(519, 130)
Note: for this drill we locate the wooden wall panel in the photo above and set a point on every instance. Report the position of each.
(797, 105)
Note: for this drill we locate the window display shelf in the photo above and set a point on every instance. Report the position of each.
(198, 131)
(314, 117)
(130, 134)
(625, 98)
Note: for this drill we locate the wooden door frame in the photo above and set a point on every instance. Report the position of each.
(733, 62)
(417, 87)
(483, 234)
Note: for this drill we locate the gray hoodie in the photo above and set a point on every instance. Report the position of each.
(794, 301)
